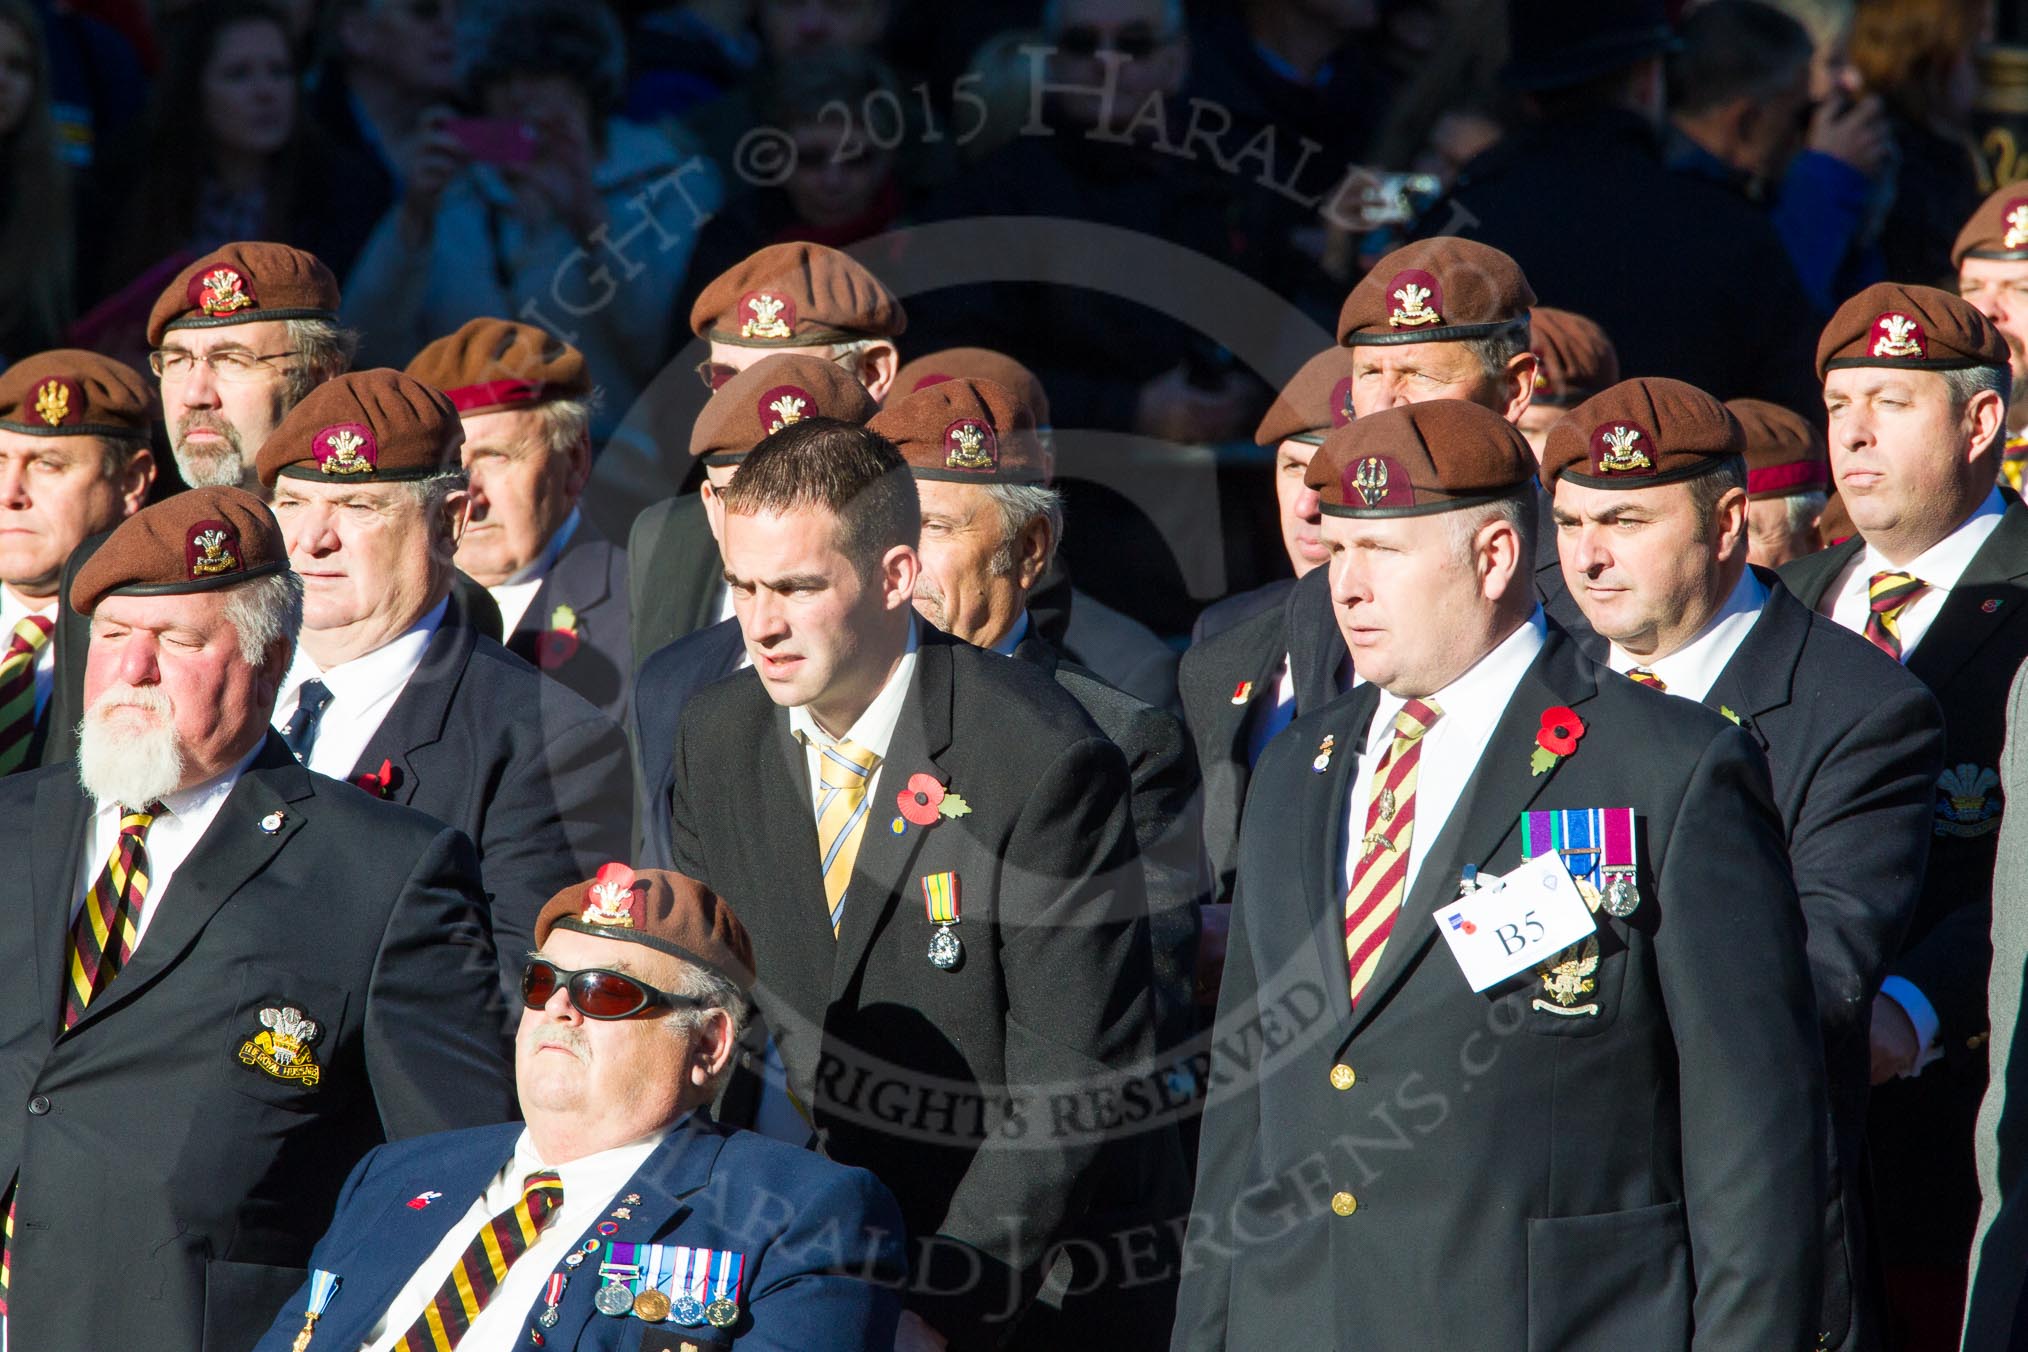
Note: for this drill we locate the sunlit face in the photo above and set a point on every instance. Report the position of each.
(248, 89)
(522, 491)
(1385, 377)
(1638, 564)
(1900, 457)
(874, 367)
(1300, 508)
(53, 493)
(217, 426)
(371, 558)
(960, 591)
(1774, 536)
(1999, 291)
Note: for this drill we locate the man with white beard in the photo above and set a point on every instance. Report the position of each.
(234, 977)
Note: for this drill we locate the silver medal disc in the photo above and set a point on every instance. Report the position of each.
(614, 1300)
(945, 951)
(687, 1310)
(1621, 898)
(549, 1317)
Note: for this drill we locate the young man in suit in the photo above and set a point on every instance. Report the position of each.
(1916, 384)
(866, 765)
(525, 401)
(236, 976)
(391, 691)
(1654, 546)
(632, 1220)
(1618, 1143)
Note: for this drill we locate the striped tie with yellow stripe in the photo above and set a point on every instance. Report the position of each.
(17, 689)
(844, 769)
(483, 1266)
(1887, 595)
(108, 925)
(1381, 876)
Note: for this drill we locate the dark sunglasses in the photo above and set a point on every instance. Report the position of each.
(597, 992)
(715, 373)
(1135, 41)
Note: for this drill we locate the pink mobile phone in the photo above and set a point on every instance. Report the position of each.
(494, 140)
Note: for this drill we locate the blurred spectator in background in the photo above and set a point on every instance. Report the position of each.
(223, 155)
(35, 239)
(683, 55)
(97, 84)
(547, 209)
(1739, 95)
(387, 62)
(1917, 55)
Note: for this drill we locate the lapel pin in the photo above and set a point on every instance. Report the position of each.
(1324, 749)
(1990, 605)
(632, 1199)
(1242, 692)
(422, 1199)
(271, 823)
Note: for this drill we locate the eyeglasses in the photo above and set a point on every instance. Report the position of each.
(597, 992)
(1134, 41)
(231, 365)
(714, 374)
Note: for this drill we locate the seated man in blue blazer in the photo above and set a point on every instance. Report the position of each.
(620, 1216)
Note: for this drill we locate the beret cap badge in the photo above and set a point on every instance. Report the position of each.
(54, 401)
(1620, 451)
(970, 444)
(212, 550)
(609, 900)
(766, 315)
(346, 449)
(783, 405)
(1897, 335)
(1419, 300)
(2017, 225)
(1369, 480)
(222, 291)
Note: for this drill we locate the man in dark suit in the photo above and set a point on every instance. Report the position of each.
(1619, 1143)
(524, 399)
(1655, 547)
(1916, 383)
(391, 689)
(787, 299)
(74, 462)
(869, 763)
(631, 1010)
(236, 976)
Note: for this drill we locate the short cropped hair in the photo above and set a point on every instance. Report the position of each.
(1707, 488)
(1735, 49)
(856, 475)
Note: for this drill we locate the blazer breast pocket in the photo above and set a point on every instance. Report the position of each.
(1609, 1282)
(242, 1299)
(1576, 994)
(281, 1041)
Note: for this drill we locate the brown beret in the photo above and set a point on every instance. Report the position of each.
(365, 427)
(1640, 434)
(769, 395)
(796, 295)
(1316, 399)
(666, 911)
(1785, 452)
(199, 540)
(1577, 359)
(244, 283)
(983, 363)
(1918, 328)
(1835, 526)
(1998, 229)
(1434, 291)
(69, 392)
(491, 364)
(964, 431)
(1417, 459)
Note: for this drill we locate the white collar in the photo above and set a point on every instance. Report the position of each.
(386, 667)
(1943, 563)
(1691, 670)
(1482, 693)
(14, 609)
(1006, 646)
(874, 728)
(538, 567)
(600, 1174)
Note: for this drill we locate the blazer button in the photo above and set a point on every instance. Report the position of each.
(1343, 1076)
(38, 1105)
(1344, 1203)
(1975, 1041)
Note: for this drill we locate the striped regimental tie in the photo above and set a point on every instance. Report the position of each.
(844, 769)
(1887, 595)
(1642, 676)
(1381, 876)
(17, 689)
(483, 1266)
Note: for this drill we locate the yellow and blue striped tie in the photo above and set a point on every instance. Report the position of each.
(843, 771)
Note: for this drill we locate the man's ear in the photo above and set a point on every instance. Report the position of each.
(1032, 548)
(877, 368)
(1519, 384)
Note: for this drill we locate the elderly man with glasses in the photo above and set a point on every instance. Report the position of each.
(620, 1215)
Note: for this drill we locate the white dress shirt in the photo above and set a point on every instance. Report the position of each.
(1472, 706)
(362, 691)
(1691, 670)
(872, 732)
(187, 815)
(13, 610)
(1940, 566)
(589, 1187)
(517, 593)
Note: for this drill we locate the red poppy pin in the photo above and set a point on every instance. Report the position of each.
(379, 783)
(558, 643)
(925, 802)
(1558, 736)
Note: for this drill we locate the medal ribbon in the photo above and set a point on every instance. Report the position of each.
(940, 898)
(552, 1294)
(731, 1271)
(1594, 841)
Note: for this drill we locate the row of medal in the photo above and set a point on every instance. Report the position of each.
(657, 1282)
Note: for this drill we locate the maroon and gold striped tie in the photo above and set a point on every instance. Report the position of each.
(17, 689)
(1380, 878)
(1886, 597)
(107, 926)
(483, 1266)
(1642, 676)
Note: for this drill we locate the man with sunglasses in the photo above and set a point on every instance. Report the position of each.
(229, 977)
(639, 1222)
(797, 299)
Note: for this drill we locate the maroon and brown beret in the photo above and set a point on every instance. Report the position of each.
(982, 363)
(203, 539)
(68, 392)
(964, 431)
(1785, 452)
(1918, 328)
(796, 295)
(493, 364)
(1437, 290)
(1998, 229)
(1641, 433)
(769, 395)
(1576, 358)
(246, 283)
(666, 911)
(1418, 459)
(372, 426)
(1316, 399)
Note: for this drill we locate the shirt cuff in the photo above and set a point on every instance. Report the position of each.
(1920, 1013)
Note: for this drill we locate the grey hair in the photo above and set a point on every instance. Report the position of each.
(1805, 510)
(1495, 350)
(714, 992)
(264, 612)
(431, 493)
(565, 422)
(323, 350)
(1019, 504)
(1517, 510)
(1968, 382)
